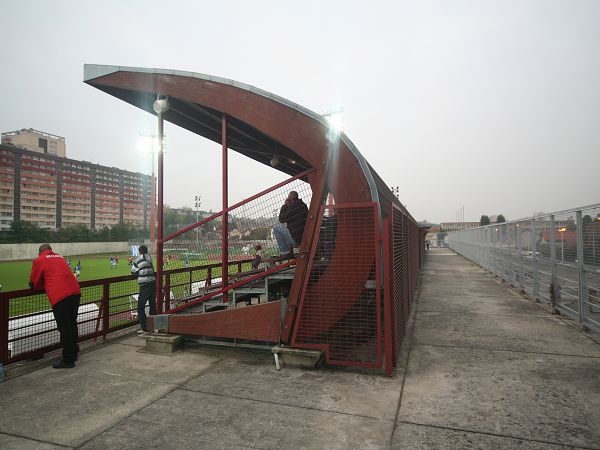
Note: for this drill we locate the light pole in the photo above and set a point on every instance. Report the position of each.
(160, 106)
(149, 144)
(562, 242)
(197, 203)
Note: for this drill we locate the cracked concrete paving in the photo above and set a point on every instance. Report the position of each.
(481, 367)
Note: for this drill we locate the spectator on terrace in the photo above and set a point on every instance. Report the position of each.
(51, 273)
(292, 218)
(257, 256)
(143, 269)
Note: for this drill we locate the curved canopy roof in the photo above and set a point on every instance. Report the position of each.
(260, 124)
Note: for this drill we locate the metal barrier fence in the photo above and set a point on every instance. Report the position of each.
(555, 258)
(209, 243)
(361, 282)
(406, 259)
(339, 310)
(28, 328)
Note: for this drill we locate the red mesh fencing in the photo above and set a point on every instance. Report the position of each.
(193, 257)
(403, 256)
(28, 328)
(339, 308)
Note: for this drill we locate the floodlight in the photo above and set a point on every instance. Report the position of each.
(336, 121)
(274, 161)
(160, 105)
(147, 144)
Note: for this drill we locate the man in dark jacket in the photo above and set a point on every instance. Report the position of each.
(50, 272)
(143, 269)
(292, 218)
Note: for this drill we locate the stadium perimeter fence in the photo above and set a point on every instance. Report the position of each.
(554, 258)
(28, 329)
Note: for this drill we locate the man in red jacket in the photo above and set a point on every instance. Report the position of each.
(50, 272)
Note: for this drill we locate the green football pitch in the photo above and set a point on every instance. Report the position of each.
(14, 275)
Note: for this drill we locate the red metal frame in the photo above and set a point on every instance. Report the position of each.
(258, 323)
(104, 315)
(4, 318)
(301, 303)
(309, 265)
(388, 309)
(310, 231)
(338, 169)
(235, 285)
(224, 223)
(237, 205)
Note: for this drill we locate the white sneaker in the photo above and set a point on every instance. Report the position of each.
(140, 331)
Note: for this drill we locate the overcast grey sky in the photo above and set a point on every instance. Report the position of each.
(494, 105)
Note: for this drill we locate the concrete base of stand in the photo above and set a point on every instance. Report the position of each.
(163, 344)
(299, 357)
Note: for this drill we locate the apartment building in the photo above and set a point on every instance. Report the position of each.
(35, 140)
(457, 226)
(53, 191)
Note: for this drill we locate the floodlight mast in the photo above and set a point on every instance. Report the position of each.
(148, 144)
(160, 106)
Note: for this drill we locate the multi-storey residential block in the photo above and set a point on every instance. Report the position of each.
(54, 192)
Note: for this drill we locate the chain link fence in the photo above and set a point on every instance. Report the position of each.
(554, 258)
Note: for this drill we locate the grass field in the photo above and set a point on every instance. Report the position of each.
(14, 275)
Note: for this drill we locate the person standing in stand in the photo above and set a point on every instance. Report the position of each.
(143, 269)
(51, 273)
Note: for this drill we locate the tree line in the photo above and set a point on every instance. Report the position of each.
(485, 220)
(173, 220)
(21, 232)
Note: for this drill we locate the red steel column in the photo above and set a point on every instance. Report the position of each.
(4, 319)
(159, 247)
(225, 227)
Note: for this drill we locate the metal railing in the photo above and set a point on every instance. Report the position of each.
(28, 329)
(227, 238)
(554, 258)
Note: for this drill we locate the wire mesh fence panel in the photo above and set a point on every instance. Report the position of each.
(28, 328)
(555, 258)
(567, 280)
(527, 236)
(543, 258)
(591, 265)
(251, 239)
(31, 324)
(339, 310)
(406, 265)
(512, 256)
(591, 238)
(400, 270)
(122, 303)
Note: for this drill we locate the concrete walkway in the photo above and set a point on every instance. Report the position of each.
(482, 368)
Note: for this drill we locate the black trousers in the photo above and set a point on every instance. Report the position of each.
(65, 313)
